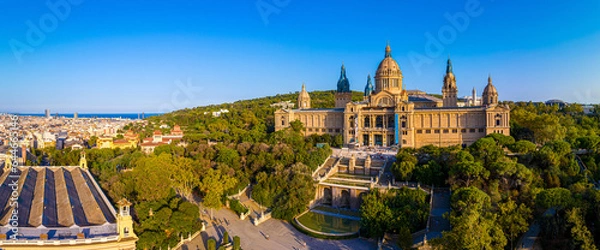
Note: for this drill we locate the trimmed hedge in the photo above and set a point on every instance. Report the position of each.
(211, 244)
(236, 242)
(237, 207)
(225, 238)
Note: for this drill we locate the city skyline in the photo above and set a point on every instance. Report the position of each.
(130, 57)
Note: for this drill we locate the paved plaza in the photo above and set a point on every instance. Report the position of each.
(280, 234)
(378, 151)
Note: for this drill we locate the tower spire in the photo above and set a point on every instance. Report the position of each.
(343, 85)
(303, 98)
(449, 89)
(473, 97)
(343, 95)
(388, 50)
(369, 87)
(490, 94)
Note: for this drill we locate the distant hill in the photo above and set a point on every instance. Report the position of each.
(243, 114)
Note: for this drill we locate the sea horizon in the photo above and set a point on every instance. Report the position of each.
(132, 116)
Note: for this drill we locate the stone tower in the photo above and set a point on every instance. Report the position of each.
(343, 94)
(490, 94)
(368, 88)
(303, 98)
(449, 90)
(82, 160)
(124, 220)
(8, 161)
(474, 97)
(388, 76)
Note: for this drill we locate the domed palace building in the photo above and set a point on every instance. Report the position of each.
(390, 115)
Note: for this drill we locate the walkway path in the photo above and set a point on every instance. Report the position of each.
(437, 223)
(528, 239)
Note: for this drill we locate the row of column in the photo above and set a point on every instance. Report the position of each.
(373, 121)
(386, 140)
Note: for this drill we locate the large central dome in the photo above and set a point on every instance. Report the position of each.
(388, 76)
(388, 65)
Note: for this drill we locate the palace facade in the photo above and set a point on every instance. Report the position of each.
(390, 115)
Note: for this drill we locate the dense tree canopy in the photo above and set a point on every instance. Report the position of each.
(534, 173)
(394, 211)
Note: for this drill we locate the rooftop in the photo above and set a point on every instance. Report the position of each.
(320, 109)
(58, 201)
(423, 98)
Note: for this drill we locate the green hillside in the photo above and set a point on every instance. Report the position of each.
(247, 120)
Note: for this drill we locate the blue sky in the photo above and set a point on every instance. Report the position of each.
(155, 56)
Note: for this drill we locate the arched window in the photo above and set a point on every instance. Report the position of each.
(498, 119)
(283, 121)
